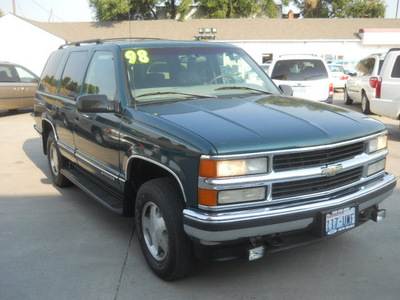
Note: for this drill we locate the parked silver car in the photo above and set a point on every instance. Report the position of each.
(17, 86)
(359, 86)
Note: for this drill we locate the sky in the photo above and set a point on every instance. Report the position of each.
(79, 11)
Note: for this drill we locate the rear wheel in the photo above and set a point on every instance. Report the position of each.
(56, 162)
(158, 215)
(365, 104)
(347, 99)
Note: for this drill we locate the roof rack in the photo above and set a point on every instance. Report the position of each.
(101, 41)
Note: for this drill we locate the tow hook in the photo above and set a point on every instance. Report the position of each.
(378, 215)
(256, 251)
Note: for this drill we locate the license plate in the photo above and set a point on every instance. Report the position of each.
(339, 220)
(299, 90)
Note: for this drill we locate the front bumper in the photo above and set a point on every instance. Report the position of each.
(211, 228)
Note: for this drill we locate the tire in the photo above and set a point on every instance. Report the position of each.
(347, 99)
(159, 222)
(365, 104)
(56, 162)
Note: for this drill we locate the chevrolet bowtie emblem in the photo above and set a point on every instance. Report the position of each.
(331, 170)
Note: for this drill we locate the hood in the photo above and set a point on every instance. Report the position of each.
(264, 123)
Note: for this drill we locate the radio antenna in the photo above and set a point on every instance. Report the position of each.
(132, 70)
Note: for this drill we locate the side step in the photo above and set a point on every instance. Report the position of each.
(106, 198)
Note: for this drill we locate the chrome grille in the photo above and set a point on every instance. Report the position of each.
(314, 185)
(316, 158)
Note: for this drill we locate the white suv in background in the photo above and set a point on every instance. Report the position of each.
(307, 74)
(386, 101)
(360, 86)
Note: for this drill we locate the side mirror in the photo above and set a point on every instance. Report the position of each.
(286, 89)
(93, 104)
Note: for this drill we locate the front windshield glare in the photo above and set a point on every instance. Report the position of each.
(154, 73)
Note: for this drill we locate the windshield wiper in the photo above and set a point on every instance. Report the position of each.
(242, 88)
(179, 93)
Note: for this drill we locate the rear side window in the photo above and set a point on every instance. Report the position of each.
(8, 74)
(51, 73)
(366, 66)
(396, 68)
(100, 77)
(72, 75)
(299, 69)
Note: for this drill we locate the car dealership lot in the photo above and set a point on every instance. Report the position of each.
(60, 244)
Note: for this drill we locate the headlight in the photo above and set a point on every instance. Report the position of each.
(236, 167)
(242, 195)
(214, 198)
(378, 143)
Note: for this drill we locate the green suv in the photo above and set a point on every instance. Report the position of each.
(196, 142)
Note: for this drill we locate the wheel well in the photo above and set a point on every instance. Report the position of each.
(139, 172)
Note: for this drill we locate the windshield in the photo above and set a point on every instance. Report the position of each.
(179, 73)
(299, 69)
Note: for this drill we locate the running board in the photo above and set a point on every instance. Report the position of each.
(105, 198)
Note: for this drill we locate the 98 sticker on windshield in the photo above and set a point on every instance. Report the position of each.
(139, 56)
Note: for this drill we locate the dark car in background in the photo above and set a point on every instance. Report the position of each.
(17, 86)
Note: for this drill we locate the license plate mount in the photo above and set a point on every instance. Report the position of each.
(340, 220)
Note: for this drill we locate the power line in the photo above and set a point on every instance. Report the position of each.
(51, 14)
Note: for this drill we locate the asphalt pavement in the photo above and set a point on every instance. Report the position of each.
(61, 244)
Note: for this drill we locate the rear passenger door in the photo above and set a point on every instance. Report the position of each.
(97, 134)
(65, 103)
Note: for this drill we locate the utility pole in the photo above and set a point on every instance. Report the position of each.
(397, 8)
(14, 10)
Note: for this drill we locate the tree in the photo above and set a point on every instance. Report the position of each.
(221, 9)
(341, 8)
(120, 10)
(1, 13)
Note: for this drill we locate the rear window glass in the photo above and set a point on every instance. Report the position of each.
(51, 73)
(396, 68)
(72, 76)
(299, 69)
(8, 74)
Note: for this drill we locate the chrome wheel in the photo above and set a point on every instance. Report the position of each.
(154, 231)
(54, 160)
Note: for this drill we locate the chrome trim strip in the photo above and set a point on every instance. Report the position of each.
(284, 210)
(108, 172)
(306, 149)
(65, 147)
(159, 165)
(221, 236)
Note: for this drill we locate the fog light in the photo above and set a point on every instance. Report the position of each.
(242, 195)
(376, 167)
(256, 253)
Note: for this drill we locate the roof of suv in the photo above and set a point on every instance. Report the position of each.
(126, 43)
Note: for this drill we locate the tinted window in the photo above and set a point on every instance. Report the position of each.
(365, 66)
(51, 73)
(8, 74)
(72, 76)
(100, 77)
(299, 69)
(396, 68)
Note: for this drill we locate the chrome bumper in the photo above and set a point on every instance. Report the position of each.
(229, 226)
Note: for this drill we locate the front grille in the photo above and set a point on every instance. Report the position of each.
(316, 158)
(315, 185)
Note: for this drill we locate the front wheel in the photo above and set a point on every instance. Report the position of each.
(159, 223)
(347, 99)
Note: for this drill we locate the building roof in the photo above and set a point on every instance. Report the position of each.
(227, 29)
